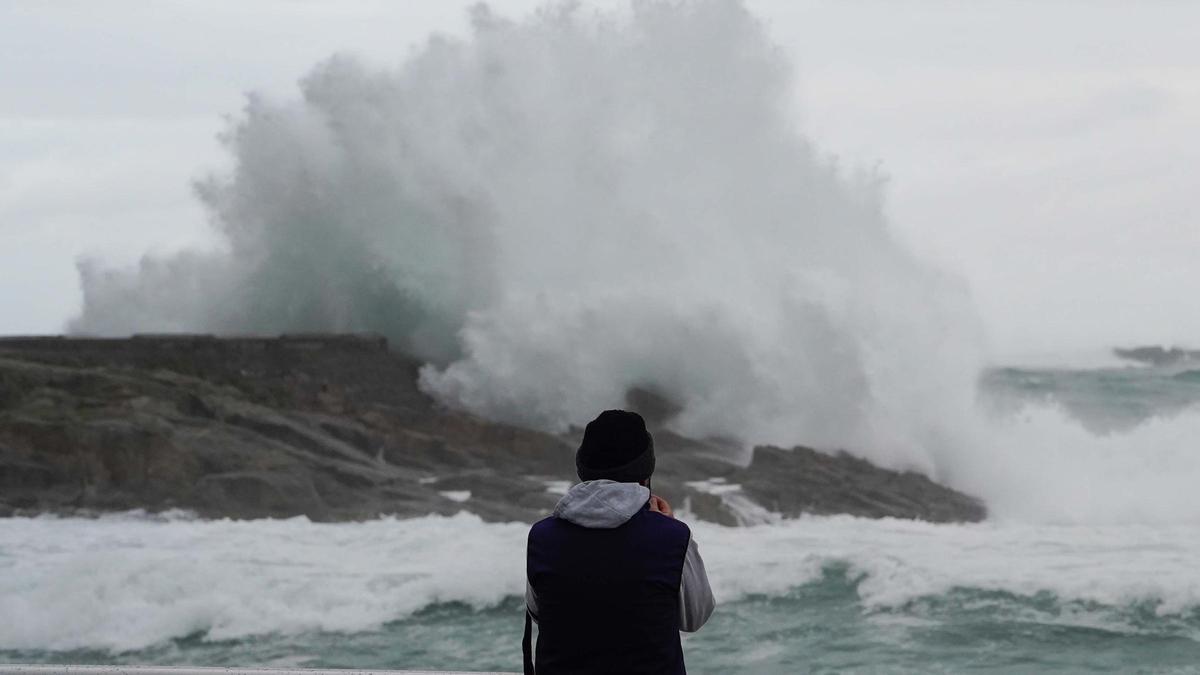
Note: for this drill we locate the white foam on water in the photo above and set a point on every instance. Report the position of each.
(714, 486)
(128, 582)
(557, 487)
(744, 509)
(903, 560)
(1041, 465)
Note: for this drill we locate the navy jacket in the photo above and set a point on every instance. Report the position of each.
(605, 588)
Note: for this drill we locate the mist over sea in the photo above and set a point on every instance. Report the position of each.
(557, 209)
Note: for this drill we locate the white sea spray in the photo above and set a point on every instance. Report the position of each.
(557, 209)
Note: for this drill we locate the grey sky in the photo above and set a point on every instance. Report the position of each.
(1045, 152)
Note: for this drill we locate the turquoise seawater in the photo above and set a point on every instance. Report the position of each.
(1103, 399)
(816, 628)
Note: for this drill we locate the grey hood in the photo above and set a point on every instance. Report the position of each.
(602, 503)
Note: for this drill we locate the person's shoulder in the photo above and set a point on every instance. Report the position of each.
(669, 523)
(544, 524)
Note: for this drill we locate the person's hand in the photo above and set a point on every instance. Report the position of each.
(660, 505)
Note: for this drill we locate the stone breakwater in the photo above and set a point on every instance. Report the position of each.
(333, 427)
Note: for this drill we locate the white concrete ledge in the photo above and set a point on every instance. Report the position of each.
(17, 669)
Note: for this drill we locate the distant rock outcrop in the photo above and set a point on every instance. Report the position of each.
(333, 427)
(1161, 357)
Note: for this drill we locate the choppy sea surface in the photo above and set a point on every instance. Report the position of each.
(828, 594)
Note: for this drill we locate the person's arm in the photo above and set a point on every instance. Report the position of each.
(531, 601)
(696, 602)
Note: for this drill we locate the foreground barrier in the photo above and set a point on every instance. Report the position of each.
(16, 669)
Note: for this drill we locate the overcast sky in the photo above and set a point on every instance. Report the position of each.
(1046, 152)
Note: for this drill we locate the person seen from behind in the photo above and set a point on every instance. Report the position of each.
(612, 576)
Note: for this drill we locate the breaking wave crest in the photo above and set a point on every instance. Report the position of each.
(129, 582)
(557, 209)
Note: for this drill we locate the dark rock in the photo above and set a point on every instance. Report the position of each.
(1158, 356)
(335, 428)
(264, 493)
(654, 407)
(802, 480)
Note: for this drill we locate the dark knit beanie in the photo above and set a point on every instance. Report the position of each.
(616, 446)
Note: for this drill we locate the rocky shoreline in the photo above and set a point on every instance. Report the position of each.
(333, 427)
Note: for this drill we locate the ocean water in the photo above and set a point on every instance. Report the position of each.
(815, 594)
(1103, 400)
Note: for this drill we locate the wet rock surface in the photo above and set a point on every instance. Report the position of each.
(335, 428)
